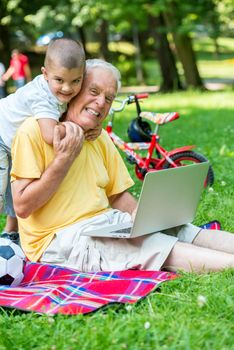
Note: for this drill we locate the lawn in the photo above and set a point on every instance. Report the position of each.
(191, 312)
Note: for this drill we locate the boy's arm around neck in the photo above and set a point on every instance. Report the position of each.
(47, 129)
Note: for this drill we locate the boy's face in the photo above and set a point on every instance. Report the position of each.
(64, 83)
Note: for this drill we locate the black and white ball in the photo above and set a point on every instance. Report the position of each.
(12, 260)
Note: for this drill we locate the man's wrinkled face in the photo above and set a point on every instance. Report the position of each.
(92, 104)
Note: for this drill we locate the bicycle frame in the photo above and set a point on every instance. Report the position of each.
(129, 148)
(163, 159)
(146, 163)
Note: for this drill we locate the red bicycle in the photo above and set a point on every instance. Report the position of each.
(144, 138)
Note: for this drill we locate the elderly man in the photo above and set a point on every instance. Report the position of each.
(75, 185)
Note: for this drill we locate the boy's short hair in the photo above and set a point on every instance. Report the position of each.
(66, 52)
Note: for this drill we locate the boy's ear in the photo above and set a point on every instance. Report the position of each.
(44, 72)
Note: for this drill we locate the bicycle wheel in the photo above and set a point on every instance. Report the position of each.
(140, 172)
(188, 157)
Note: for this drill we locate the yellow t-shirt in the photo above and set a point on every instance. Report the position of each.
(97, 173)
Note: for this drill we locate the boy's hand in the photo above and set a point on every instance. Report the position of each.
(62, 130)
(91, 135)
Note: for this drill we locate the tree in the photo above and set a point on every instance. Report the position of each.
(13, 15)
(170, 23)
(126, 15)
(212, 22)
(159, 32)
(174, 14)
(170, 77)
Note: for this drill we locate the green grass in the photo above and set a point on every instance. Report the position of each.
(173, 317)
(205, 46)
(217, 70)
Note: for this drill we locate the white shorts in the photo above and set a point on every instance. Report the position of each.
(89, 254)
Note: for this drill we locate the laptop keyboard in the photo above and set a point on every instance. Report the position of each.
(123, 230)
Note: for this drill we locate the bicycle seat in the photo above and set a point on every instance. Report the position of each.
(136, 146)
(160, 118)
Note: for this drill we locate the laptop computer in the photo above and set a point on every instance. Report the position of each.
(168, 198)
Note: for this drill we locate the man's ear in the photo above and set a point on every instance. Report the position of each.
(44, 72)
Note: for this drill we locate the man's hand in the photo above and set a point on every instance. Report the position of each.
(133, 214)
(69, 147)
(125, 202)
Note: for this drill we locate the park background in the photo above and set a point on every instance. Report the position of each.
(182, 52)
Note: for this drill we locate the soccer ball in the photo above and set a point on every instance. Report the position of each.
(12, 260)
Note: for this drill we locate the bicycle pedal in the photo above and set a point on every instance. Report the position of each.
(131, 159)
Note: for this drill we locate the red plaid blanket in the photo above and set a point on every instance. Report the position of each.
(51, 289)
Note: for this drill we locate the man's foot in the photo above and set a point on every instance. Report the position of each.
(13, 236)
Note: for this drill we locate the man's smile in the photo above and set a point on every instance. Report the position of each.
(92, 112)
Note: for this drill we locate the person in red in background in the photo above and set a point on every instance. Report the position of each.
(19, 69)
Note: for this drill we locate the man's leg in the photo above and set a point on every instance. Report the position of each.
(191, 258)
(217, 240)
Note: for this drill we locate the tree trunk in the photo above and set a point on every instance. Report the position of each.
(5, 48)
(184, 49)
(104, 51)
(170, 77)
(83, 40)
(138, 60)
(217, 49)
(214, 20)
(187, 57)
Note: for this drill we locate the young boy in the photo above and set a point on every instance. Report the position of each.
(46, 99)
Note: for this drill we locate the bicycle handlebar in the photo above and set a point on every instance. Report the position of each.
(144, 95)
(127, 100)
